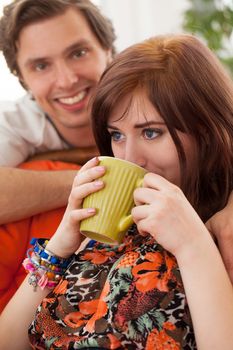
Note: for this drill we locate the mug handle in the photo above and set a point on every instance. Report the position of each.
(125, 223)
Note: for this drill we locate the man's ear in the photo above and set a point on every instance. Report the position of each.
(109, 56)
(22, 82)
(18, 75)
(24, 85)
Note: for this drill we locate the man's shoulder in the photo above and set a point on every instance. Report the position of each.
(24, 107)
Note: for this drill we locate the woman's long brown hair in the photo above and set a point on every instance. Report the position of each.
(193, 94)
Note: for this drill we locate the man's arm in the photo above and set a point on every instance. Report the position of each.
(75, 155)
(221, 227)
(28, 192)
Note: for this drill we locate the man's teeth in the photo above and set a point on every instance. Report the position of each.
(73, 100)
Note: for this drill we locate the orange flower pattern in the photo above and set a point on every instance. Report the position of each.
(122, 297)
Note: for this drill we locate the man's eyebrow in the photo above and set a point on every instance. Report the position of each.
(140, 125)
(34, 61)
(77, 45)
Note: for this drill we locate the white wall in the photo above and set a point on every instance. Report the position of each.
(134, 20)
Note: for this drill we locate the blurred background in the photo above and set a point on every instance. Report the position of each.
(135, 20)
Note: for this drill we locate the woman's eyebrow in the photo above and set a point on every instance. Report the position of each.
(112, 127)
(140, 125)
(147, 124)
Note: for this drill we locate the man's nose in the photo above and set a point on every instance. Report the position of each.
(65, 76)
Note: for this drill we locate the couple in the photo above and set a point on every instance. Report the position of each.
(166, 105)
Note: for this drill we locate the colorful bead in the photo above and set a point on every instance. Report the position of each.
(45, 269)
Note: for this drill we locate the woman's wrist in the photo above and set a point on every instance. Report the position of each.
(58, 248)
(196, 250)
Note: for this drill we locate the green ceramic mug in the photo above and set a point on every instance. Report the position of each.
(114, 202)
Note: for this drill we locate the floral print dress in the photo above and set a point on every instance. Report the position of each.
(128, 296)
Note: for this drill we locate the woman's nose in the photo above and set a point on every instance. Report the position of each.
(135, 155)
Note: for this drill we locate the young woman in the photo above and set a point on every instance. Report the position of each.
(165, 104)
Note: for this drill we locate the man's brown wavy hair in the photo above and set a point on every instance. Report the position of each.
(21, 13)
(192, 92)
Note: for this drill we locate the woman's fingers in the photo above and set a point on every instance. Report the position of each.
(140, 212)
(139, 215)
(89, 172)
(145, 196)
(90, 164)
(80, 192)
(156, 188)
(78, 215)
(144, 217)
(141, 196)
(159, 183)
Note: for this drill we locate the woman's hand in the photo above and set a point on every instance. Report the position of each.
(163, 211)
(67, 238)
(221, 227)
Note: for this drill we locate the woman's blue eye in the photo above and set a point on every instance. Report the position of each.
(151, 134)
(116, 135)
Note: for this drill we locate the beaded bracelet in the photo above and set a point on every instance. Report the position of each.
(44, 268)
(46, 255)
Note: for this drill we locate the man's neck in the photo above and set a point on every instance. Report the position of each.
(81, 137)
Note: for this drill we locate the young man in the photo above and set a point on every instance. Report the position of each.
(58, 49)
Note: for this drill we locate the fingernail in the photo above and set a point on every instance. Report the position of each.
(100, 168)
(91, 210)
(94, 160)
(98, 183)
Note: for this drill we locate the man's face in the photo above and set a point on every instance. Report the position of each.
(61, 61)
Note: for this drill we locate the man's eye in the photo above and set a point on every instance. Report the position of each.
(79, 53)
(116, 135)
(40, 66)
(151, 134)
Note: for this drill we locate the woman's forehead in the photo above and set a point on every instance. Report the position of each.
(134, 108)
(134, 103)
